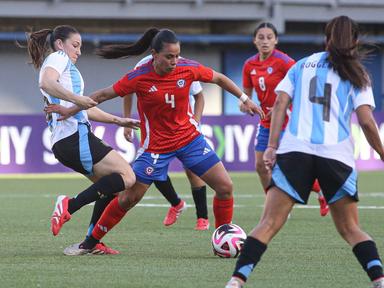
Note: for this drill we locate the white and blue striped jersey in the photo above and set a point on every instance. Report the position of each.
(71, 79)
(195, 87)
(322, 104)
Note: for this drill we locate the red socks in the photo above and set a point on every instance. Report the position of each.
(316, 186)
(223, 211)
(112, 215)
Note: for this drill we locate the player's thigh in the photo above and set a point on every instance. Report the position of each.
(218, 179)
(113, 162)
(194, 179)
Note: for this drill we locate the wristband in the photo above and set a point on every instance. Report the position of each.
(273, 147)
(244, 97)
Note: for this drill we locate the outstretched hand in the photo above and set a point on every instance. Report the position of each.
(128, 134)
(59, 109)
(85, 102)
(251, 108)
(128, 123)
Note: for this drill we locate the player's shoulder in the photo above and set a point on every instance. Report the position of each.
(57, 56)
(183, 62)
(252, 60)
(279, 55)
(140, 70)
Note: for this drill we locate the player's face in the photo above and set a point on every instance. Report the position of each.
(265, 41)
(165, 61)
(71, 46)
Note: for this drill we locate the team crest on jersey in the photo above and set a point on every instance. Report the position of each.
(149, 170)
(180, 83)
(269, 70)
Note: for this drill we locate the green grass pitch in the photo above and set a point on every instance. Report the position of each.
(307, 253)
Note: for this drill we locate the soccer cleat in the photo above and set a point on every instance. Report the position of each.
(235, 283)
(60, 214)
(378, 283)
(202, 224)
(102, 249)
(324, 208)
(75, 250)
(174, 213)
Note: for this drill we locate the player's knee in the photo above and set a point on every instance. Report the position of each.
(349, 232)
(129, 179)
(225, 190)
(260, 169)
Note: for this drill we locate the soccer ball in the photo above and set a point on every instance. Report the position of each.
(227, 240)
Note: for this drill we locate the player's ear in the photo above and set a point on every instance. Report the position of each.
(153, 52)
(59, 44)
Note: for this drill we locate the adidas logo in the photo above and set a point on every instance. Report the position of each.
(152, 89)
(253, 72)
(206, 150)
(102, 228)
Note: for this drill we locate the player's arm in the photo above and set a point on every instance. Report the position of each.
(199, 105)
(127, 110)
(50, 83)
(278, 116)
(99, 115)
(98, 96)
(227, 84)
(369, 127)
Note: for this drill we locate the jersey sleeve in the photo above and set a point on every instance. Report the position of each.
(287, 85)
(195, 88)
(58, 61)
(247, 82)
(202, 73)
(363, 97)
(124, 86)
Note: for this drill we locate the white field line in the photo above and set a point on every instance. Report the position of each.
(186, 196)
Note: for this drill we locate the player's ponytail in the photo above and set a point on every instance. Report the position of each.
(344, 54)
(41, 43)
(152, 38)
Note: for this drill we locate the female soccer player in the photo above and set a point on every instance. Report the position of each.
(324, 89)
(262, 72)
(168, 128)
(73, 143)
(198, 187)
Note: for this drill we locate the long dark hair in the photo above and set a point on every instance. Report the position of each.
(39, 43)
(345, 55)
(152, 38)
(265, 25)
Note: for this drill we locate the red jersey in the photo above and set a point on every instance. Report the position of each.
(167, 122)
(264, 76)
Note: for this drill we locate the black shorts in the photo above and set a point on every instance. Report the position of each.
(295, 172)
(81, 150)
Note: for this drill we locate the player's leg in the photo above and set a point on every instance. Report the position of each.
(177, 205)
(345, 215)
(113, 214)
(199, 193)
(148, 167)
(261, 143)
(324, 208)
(200, 158)
(276, 209)
(287, 187)
(89, 155)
